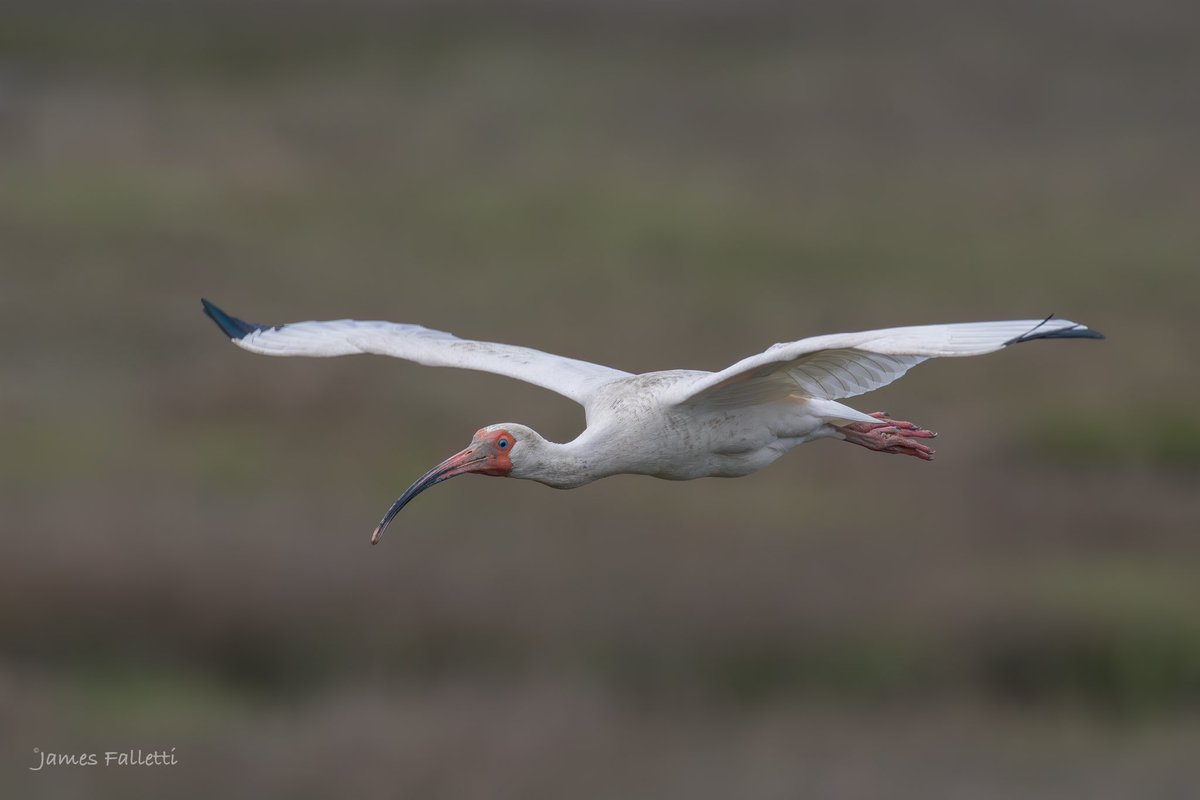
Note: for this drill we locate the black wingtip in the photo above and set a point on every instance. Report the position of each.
(1074, 332)
(1066, 333)
(233, 327)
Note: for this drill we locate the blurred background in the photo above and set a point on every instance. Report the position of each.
(185, 525)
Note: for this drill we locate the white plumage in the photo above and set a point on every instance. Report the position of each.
(676, 424)
(343, 337)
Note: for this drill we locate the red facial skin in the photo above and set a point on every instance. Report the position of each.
(495, 446)
(488, 454)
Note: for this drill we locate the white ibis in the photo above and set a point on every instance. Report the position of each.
(676, 424)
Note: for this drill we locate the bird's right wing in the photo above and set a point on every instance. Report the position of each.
(567, 376)
(847, 364)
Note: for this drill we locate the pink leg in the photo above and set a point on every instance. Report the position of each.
(889, 436)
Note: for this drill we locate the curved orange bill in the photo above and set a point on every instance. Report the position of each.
(468, 460)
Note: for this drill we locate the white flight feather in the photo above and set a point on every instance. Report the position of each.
(567, 376)
(842, 365)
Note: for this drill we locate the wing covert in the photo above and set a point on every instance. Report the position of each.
(844, 365)
(567, 376)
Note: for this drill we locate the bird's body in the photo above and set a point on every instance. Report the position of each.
(634, 427)
(675, 424)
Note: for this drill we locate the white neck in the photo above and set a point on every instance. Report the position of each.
(563, 466)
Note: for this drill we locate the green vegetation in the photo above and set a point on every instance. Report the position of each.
(1162, 438)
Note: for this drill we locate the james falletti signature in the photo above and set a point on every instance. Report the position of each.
(109, 758)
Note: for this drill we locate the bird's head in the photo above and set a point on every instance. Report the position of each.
(498, 450)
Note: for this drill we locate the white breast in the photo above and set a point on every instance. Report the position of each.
(631, 429)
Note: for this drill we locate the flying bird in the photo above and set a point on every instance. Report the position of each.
(675, 424)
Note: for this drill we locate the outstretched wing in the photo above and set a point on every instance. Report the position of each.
(848, 364)
(567, 376)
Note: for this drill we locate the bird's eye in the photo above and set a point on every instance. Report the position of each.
(502, 444)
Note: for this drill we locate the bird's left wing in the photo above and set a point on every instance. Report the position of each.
(567, 376)
(847, 364)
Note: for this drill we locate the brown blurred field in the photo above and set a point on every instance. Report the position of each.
(185, 559)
